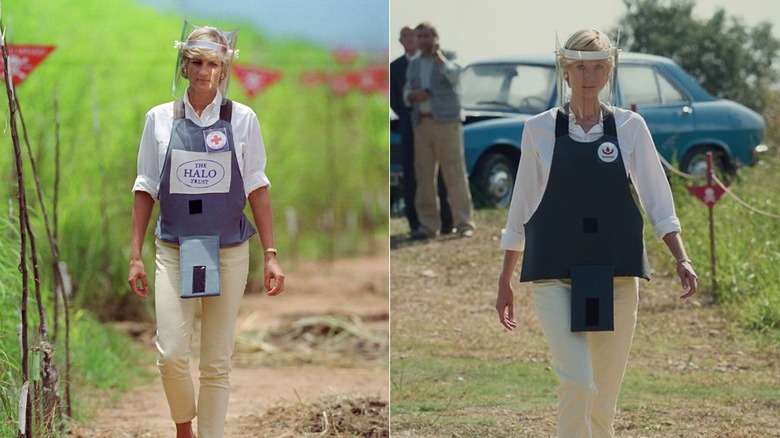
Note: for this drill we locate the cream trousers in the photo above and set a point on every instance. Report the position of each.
(175, 318)
(590, 366)
(439, 145)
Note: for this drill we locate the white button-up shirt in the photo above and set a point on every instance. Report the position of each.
(639, 156)
(247, 139)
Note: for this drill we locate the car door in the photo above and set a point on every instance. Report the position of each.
(666, 108)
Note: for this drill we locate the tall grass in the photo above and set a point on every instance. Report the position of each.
(327, 155)
(747, 281)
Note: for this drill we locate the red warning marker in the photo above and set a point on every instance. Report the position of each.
(23, 60)
(254, 79)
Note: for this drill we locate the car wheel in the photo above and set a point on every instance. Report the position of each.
(494, 177)
(695, 162)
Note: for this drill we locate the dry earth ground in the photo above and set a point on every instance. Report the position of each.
(322, 344)
(705, 375)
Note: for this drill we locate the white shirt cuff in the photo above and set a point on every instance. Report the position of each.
(512, 240)
(255, 181)
(667, 226)
(146, 184)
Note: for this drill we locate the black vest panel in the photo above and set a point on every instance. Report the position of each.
(587, 215)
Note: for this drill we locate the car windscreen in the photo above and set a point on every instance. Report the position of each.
(507, 87)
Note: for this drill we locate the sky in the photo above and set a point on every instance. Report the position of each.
(495, 28)
(360, 25)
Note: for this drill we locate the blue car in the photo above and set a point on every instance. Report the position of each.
(686, 122)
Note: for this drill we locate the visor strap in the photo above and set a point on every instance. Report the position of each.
(586, 55)
(206, 45)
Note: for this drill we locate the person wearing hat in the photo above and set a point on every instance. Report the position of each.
(579, 231)
(201, 158)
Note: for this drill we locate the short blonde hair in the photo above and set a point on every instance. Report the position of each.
(210, 34)
(585, 40)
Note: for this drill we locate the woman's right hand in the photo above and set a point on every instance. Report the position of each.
(505, 304)
(138, 273)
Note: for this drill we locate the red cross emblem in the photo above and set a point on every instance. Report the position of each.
(216, 140)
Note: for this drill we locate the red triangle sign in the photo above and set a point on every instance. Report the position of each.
(709, 195)
(254, 79)
(372, 80)
(23, 60)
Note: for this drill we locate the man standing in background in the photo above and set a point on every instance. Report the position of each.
(398, 68)
(432, 89)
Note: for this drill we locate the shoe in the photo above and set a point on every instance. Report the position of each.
(419, 235)
(448, 230)
(466, 232)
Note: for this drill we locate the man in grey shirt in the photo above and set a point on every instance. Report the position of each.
(432, 91)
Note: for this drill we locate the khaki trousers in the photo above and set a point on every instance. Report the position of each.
(590, 366)
(175, 318)
(439, 145)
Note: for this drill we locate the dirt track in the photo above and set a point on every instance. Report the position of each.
(345, 288)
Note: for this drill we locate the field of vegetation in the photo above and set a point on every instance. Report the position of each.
(706, 367)
(114, 60)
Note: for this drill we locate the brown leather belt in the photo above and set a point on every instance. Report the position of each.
(426, 115)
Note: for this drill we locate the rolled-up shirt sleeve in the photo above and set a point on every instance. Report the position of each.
(148, 176)
(254, 157)
(650, 181)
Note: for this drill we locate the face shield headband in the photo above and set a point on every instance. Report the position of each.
(563, 55)
(225, 53)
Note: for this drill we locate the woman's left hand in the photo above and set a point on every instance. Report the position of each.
(688, 279)
(273, 272)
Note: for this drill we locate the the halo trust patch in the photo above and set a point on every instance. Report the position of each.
(216, 140)
(608, 152)
(200, 172)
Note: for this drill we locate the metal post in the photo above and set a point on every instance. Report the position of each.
(712, 224)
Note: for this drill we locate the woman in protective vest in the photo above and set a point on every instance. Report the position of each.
(201, 157)
(574, 220)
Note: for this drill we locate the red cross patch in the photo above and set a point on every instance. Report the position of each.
(216, 140)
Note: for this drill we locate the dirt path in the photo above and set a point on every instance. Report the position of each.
(348, 288)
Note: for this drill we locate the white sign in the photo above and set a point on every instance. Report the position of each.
(200, 172)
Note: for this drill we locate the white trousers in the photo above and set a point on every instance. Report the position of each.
(589, 365)
(175, 318)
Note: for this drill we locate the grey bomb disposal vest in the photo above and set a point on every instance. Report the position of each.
(587, 216)
(201, 189)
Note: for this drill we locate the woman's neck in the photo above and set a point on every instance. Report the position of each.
(585, 108)
(586, 112)
(199, 102)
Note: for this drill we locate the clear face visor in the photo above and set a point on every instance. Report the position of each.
(225, 53)
(564, 56)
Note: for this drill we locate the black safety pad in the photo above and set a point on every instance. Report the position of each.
(592, 298)
(198, 279)
(590, 225)
(196, 206)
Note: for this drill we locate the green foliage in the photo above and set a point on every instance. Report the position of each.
(327, 155)
(103, 359)
(729, 58)
(746, 246)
